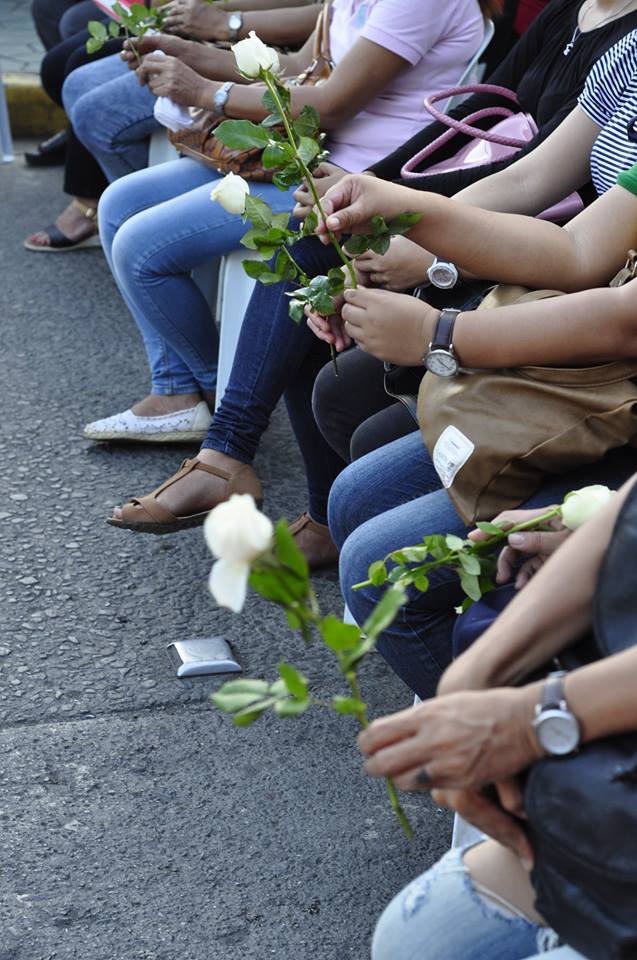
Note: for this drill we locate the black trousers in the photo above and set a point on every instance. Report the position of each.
(353, 411)
(83, 176)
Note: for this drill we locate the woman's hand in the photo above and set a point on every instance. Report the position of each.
(403, 267)
(389, 326)
(325, 176)
(499, 820)
(351, 203)
(171, 46)
(197, 19)
(169, 77)
(534, 544)
(459, 741)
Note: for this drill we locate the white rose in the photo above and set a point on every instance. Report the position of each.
(581, 505)
(231, 193)
(252, 56)
(237, 534)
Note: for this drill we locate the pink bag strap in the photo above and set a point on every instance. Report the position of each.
(459, 126)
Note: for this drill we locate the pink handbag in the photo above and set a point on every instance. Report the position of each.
(502, 140)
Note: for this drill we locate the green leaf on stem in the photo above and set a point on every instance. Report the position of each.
(288, 177)
(436, 545)
(339, 636)
(113, 29)
(284, 267)
(281, 220)
(454, 542)
(308, 149)
(384, 612)
(93, 45)
(295, 682)
(270, 103)
(356, 245)
(493, 528)
(288, 553)
(277, 155)
(470, 584)
(258, 212)
(403, 223)
(309, 224)
(97, 30)
(308, 122)
(258, 270)
(242, 135)
(272, 120)
(245, 717)
(292, 708)
(421, 582)
(296, 310)
(377, 573)
(380, 245)
(410, 555)
(469, 563)
(348, 705)
(238, 694)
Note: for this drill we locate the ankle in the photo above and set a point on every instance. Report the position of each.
(214, 458)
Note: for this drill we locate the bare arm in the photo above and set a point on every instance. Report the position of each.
(558, 166)
(366, 70)
(505, 247)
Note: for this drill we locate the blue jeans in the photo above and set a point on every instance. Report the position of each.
(112, 115)
(156, 226)
(445, 915)
(393, 498)
(277, 357)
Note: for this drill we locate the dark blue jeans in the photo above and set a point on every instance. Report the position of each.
(276, 357)
(392, 498)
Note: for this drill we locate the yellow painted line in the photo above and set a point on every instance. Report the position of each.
(32, 113)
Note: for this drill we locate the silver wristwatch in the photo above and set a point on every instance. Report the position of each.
(235, 22)
(443, 274)
(556, 728)
(221, 96)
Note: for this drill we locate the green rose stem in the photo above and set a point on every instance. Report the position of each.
(479, 546)
(271, 85)
(311, 616)
(396, 806)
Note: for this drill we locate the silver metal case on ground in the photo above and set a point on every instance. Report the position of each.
(202, 656)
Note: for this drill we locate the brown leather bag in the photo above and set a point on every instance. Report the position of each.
(199, 141)
(494, 435)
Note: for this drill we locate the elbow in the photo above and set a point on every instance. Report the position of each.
(622, 322)
(333, 112)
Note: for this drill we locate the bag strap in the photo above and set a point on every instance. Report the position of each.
(457, 126)
(322, 49)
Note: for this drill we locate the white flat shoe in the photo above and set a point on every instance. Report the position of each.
(184, 425)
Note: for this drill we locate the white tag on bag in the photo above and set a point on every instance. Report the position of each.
(451, 452)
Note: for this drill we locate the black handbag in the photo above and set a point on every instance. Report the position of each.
(582, 809)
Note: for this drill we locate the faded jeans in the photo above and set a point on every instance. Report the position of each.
(111, 114)
(392, 498)
(156, 225)
(444, 915)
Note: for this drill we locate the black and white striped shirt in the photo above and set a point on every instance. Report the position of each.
(609, 98)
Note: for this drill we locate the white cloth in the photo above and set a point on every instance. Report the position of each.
(169, 113)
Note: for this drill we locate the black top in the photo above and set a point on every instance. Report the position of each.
(546, 81)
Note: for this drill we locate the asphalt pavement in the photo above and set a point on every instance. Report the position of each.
(136, 822)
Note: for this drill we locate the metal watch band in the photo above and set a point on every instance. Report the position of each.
(221, 96)
(235, 22)
(443, 331)
(553, 697)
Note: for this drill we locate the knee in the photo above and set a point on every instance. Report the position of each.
(81, 108)
(339, 508)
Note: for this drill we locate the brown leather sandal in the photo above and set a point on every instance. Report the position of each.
(158, 519)
(317, 546)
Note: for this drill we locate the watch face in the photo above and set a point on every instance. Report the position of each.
(235, 21)
(443, 275)
(557, 731)
(442, 363)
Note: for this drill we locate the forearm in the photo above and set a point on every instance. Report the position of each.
(281, 28)
(256, 5)
(591, 326)
(552, 612)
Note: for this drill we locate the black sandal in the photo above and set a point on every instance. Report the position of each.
(59, 242)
